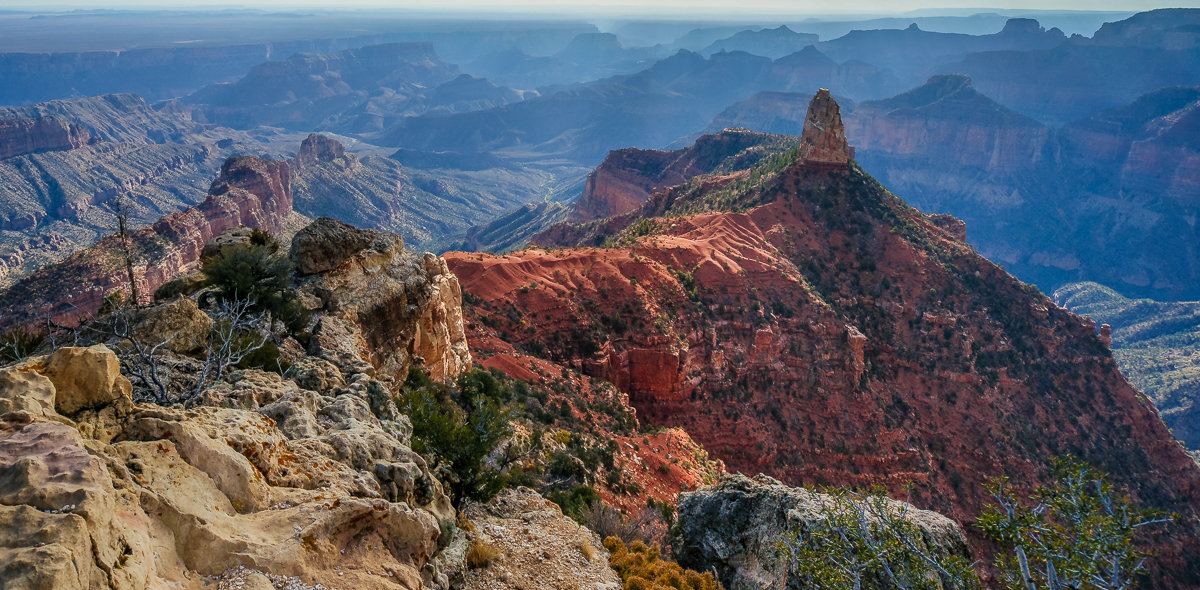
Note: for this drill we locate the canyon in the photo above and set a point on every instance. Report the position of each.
(806, 287)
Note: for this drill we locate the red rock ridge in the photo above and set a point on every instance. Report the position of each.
(628, 177)
(28, 136)
(250, 192)
(662, 463)
(616, 186)
(835, 336)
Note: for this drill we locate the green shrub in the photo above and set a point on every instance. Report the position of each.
(575, 501)
(260, 274)
(265, 357)
(1078, 532)
(865, 541)
(459, 435)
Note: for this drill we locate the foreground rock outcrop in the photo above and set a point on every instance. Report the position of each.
(380, 302)
(734, 528)
(302, 482)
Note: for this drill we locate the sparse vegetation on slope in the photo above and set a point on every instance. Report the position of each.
(1157, 346)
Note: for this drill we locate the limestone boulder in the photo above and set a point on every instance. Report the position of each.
(234, 236)
(326, 243)
(179, 322)
(198, 437)
(62, 523)
(85, 378)
(26, 391)
(734, 528)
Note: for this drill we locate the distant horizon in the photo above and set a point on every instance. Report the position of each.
(666, 9)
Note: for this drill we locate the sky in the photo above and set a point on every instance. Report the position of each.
(617, 6)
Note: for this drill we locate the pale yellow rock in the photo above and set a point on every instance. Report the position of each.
(441, 339)
(47, 469)
(85, 378)
(26, 391)
(257, 581)
(232, 472)
(179, 322)
(303, 540)
(540, 547)
(39, 551)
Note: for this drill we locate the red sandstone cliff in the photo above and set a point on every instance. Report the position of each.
(628, 177)
(27, 136)
(250, 191)
(829, 334)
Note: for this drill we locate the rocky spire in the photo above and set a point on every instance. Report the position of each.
(824, 138)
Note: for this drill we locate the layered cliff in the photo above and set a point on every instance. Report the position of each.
(30, 136)
(249, 191)
(801, 321)
(947, 121)
(67, 160)
(628, 177)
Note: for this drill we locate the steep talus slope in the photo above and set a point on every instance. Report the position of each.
(1156, 344)
(249, 191)
(514, 228)
(801, 321)
(428, 201)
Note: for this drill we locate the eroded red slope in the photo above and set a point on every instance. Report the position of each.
(830, 334)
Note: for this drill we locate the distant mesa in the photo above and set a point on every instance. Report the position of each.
(32, 135)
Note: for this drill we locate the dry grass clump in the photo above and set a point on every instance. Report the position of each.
(481, 554)
(641, 568)
(585, 547)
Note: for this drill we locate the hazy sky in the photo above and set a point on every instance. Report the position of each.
(682, 7)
